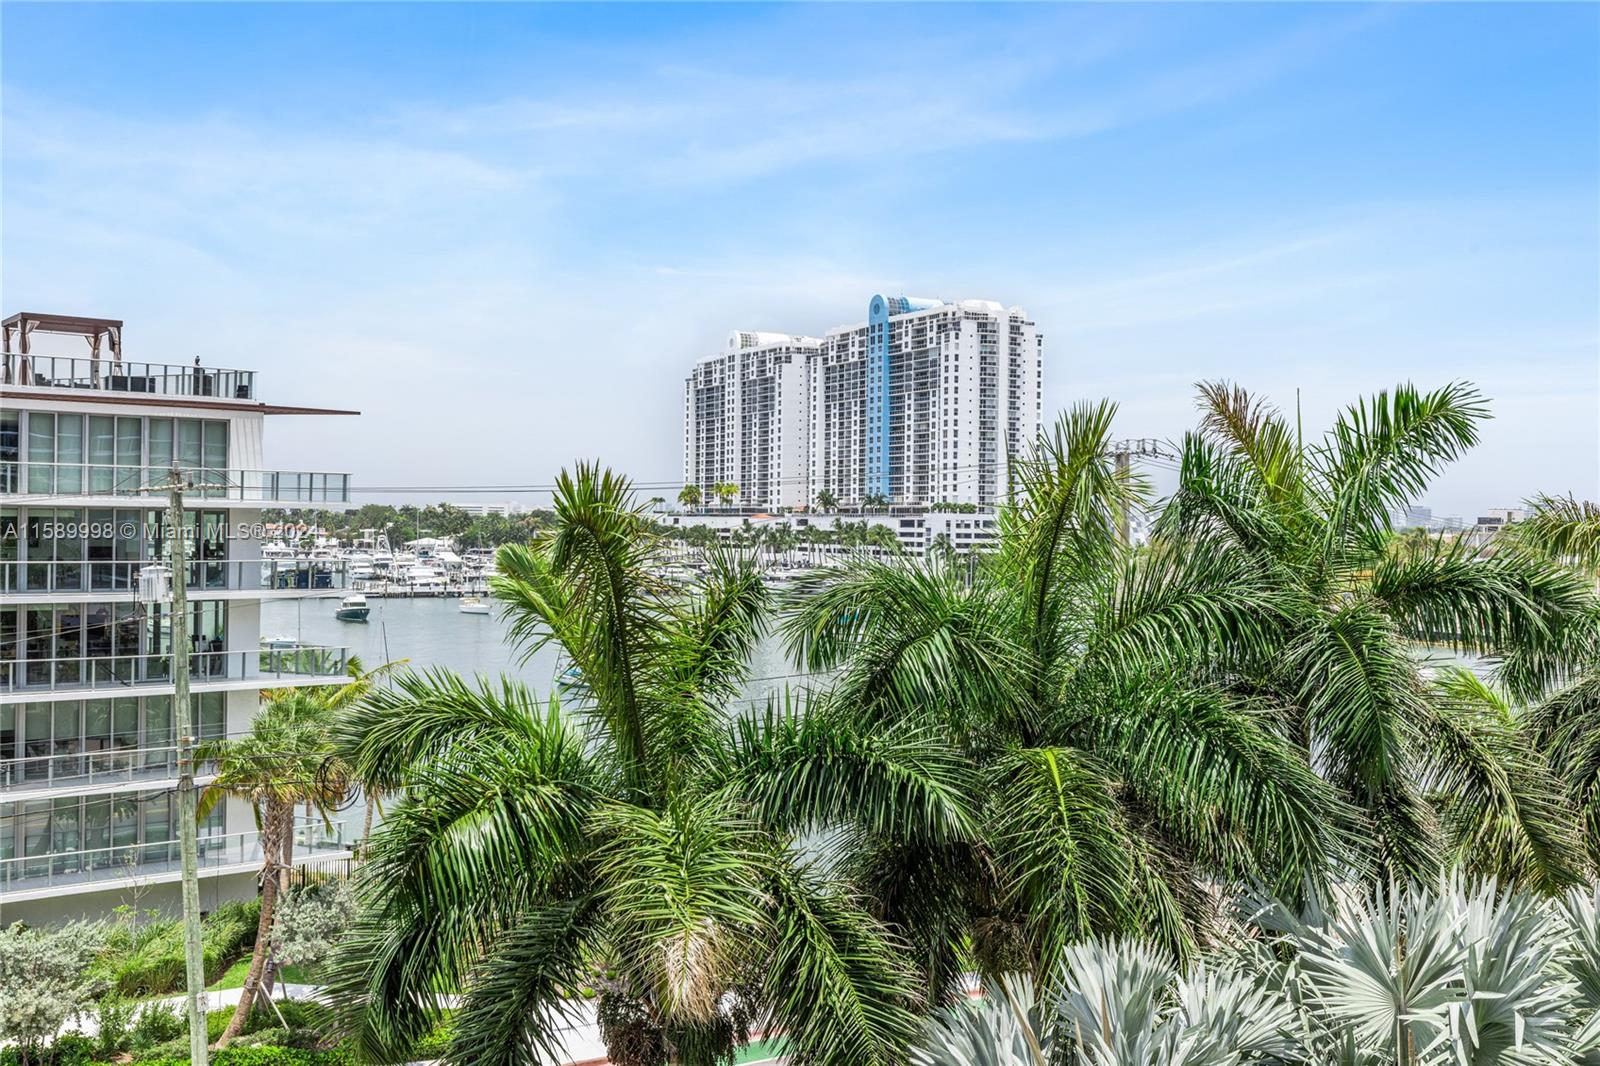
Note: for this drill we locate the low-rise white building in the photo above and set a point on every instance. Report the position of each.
(88, 743)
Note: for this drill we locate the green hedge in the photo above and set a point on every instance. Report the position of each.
(265, 1056)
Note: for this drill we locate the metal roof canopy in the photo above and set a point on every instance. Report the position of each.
(24, 323)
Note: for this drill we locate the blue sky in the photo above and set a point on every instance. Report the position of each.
(504, 232)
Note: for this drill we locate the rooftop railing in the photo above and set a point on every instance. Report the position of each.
(106, 375)
(203, 482)
(205, 575)
(24, 677)
(64, 869)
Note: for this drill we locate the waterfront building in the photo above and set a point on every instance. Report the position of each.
(88, 748)
(744, 419)
(916, 530)
(927, 402)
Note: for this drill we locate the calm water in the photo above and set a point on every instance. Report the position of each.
(434, 632)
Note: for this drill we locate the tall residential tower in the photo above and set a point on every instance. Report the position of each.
(928, 401)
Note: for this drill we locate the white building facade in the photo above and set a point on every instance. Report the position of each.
(88, 741)
(744, 418)
(927, 402)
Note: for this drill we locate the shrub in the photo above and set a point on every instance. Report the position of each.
(309, 921)
(69, 1049)
(45, 979)
(153, 964)
(115, 1017)
(156, 1024)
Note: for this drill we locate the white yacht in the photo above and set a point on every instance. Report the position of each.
(426, 580)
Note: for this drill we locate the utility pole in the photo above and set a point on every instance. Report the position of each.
(1125, 452)
(188, 831)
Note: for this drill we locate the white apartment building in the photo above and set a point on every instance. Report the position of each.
(88, 757)
(744, 419)
(928, 401)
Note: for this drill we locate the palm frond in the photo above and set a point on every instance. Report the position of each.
(1445, 591)
(814, 767)
(427, 715)
(1197, 605)
(1502, 805)
(680, 899)
(1363, 699)
(837, 982)
(1382, 452)
(518, 1000)
(1064, 848)
(1561, 527)
(1007, 1027)
(1216, 773)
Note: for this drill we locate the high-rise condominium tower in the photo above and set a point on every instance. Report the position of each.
(744, 419)
(928, 401)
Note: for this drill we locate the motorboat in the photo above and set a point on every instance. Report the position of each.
(352, 609)
(474, 605)
(426, 580)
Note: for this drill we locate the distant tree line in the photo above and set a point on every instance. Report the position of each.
(409, 522)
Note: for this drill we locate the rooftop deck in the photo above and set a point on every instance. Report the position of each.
(127, 376)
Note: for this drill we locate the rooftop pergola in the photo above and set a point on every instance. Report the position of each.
(16, 331)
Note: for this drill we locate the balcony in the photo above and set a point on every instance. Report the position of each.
(106, 375)
(87, 771)
(205, 575)
(214, 484)
(267, 667)
(90, 866)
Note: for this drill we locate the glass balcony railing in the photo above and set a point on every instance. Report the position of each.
(161, 379)
(63, 869)
(205, 575)
(271, 664)
(91, 769)
(202, 482)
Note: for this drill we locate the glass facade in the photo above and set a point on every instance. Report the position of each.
(59, 741)
(75, 453)
(71, 834)
(75, 549)
(62, 644)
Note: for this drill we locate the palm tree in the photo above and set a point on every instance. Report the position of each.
(689, 496)
(725, 491)
(1120, 780)
(655, 502)
(827, 501)
(874, 500)
(1553, 690)
(638, 839)
(1351, 605)
(287, 759)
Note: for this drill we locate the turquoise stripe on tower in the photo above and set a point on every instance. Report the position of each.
(878, 396)
(878, 313)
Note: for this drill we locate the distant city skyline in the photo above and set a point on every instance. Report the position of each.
(502, 232)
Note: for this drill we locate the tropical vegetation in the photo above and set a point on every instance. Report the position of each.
(1067, 754)
(285, 762)
(1400, 977)
(639, 841)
